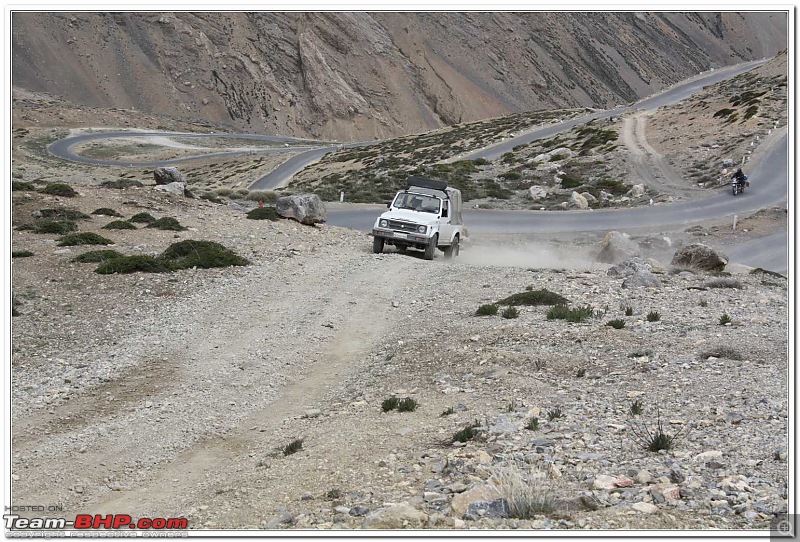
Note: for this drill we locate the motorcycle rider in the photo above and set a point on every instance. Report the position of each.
(740, 177)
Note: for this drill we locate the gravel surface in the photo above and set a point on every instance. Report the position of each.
(175, 394)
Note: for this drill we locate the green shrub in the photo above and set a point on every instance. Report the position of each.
(652, 441)
(562, 312)
(264, 213)
(62, 214)
(510, 312)
(58, 227)
(389, 404)
(568, 181)
(487, 310)
(534, 297)
(121, 184)
(653, 316)
(201, 254)
(467, 433)
(481, 162)
(144, 218)
(703, 303)
(119, 225)
(106, 212)
(166, 223)
(293, 447)
(511, 175)
(447, 412)
(616, 323)
(59, 189)
(724, 319)
(132, 264)
(83, 238)
(555, 413)
(533, 424)
(724, 283)
(407, 405)
(628, 311)
(581, 373)
(21, 254)
(97, 256)
(636, 408)
(20, 186)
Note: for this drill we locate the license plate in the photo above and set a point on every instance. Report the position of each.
(401, 235)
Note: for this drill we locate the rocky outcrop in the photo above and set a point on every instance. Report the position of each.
(395, 516)
(177, 188)
(305, 208)
(700, 256)
(617, 247)
(167, 175)
(578, 201)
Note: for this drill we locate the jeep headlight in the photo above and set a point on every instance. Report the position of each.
(384, 223)
(422, 229)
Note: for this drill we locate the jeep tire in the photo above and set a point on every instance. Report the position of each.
(452, 250)
(431, 248)
(377, 245)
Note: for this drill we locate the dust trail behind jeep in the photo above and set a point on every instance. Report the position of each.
(426, 216)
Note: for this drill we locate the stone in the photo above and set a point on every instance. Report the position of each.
(590, 198)
(395, 516)
(700, 256)
(497, 508)
(645, 507)
(167, 175)
(636, 191)
(503, 425)
(305, 208)
(537, 192)
(173, 188)
(629, 267)
(358, 511)
(606, 196)
(711, 459)
(643, 477)
(603, 481)
(480, 492)
(642, 279)
(616, 247)
(577, 200)
(665, 492)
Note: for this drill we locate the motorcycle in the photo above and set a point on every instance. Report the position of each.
(738, 185)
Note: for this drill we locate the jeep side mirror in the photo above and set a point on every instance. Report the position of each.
(389, 205)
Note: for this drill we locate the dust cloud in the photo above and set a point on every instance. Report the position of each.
(536, 255)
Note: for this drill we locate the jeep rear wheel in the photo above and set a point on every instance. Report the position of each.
(452, 250)
(431, 248)
(377, 245)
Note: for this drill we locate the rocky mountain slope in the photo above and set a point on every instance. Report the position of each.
(362, 75)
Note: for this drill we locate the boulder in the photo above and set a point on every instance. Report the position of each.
(642, 279)
(700, 256)
(590, 198)
(577, 200)
(167, 175)
(305, 208)
(488, 509)
(636, 191)
(481, 492)
(173, 188)
(655, 242)
(395, 516)
(537, 192)
(629, 267)
(606, 196)
(617, 247)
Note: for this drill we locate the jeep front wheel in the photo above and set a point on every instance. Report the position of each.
(431, 248)
(377, 245)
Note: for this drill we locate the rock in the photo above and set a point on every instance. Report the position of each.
(341, 510)
(711, 458)
(590, 198)
(167, 175)
(616, 247)
(606, 196)
(738, 269)
(480, 492)
(727, 162)
(643, 477)
(645, 507)
(642, 279)
(700, 256)
(659, 242)
(665, 492)
(395, 516)
(305, 208)
(629, 267)
(497, 508)
(358, 511)
(456, 487)
(577, 200)
(636, 191)
(537, 192)
(173, 188)
(312, 413)
(503, 425)
(603, 481)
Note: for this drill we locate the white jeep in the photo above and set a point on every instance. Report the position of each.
(426, 215)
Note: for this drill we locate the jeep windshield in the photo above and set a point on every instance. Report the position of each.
(417, 202)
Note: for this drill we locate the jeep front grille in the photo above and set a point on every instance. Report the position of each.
(402, 226)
